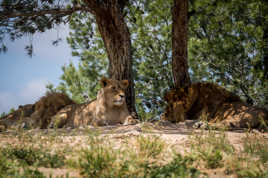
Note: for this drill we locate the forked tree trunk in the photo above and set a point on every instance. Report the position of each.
(116, 37)
(179, 43)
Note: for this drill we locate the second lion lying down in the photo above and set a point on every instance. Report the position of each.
(108, 109)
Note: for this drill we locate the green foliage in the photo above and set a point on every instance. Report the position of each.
(246, 167)
(227, 44)
(11, 110)
(151, 34)
(152, 61)
(210, 149)
(3, 114)
(5, 166)
(145, 155)
(82, 79)
(212, 158)
(178, 167)
(16, 26)
(11, 167)
(256, 147)
(223, 48)
(97, 161)
(213, 150)
(31, 156)
(101, 159)
(150, 147)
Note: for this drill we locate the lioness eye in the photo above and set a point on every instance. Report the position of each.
(113, 88)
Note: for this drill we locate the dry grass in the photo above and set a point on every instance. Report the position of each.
(90, 153)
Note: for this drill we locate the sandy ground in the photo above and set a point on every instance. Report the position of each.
(176, 136)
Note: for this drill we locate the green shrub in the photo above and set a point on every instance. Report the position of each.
(97, 161)
(10, 168)
(178, 167)
(29, 156)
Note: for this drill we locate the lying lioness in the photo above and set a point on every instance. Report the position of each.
(108, 109)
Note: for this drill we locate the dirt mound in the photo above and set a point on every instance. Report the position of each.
(210, 102)
(37, 115)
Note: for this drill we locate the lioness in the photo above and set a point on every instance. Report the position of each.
(108, 109)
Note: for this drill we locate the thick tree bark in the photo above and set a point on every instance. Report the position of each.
(265, 51)
(116, 37)
(179, 43)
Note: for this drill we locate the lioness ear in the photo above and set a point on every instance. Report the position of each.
(104, 82)
(124, 83)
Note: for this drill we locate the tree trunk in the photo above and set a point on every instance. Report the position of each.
(179, 43)
(116, 37)
(265, 51)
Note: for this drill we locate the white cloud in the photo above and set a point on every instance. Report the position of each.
(30, 93)
(33, 91)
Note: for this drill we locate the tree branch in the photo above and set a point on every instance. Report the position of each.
(58, 11)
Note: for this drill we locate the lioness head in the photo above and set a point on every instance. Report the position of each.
(113, 91)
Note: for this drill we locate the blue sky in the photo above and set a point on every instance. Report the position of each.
(23, 79)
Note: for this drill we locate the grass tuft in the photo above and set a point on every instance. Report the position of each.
(150, 147)
(138, 160)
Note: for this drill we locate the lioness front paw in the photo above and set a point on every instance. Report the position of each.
(130, 121)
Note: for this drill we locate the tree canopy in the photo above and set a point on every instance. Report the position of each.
(227, 44)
